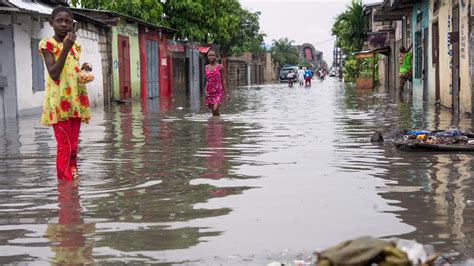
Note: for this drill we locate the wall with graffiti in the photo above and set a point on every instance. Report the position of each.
(130, 32)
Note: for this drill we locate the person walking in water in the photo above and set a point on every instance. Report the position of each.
(215, 89)
(307, 78)
(291, 78)
(66, 102)
(405, 67)
(301, 76)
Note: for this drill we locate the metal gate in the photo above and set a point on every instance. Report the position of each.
(152, 69)
(8, 100)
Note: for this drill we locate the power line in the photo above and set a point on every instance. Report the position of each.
(332, 39)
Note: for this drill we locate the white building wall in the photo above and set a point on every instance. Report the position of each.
(89, 41)
(24, 30)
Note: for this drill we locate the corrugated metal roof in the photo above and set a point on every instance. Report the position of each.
(32, 6)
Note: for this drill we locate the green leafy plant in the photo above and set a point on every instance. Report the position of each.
(350, 28)
(222, 22)
(284, 52)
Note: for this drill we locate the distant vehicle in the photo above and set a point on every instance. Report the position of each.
(284, 72)
(334, 72)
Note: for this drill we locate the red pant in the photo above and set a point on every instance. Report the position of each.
(67, 138)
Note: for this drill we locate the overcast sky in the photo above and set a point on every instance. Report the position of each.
(300, 20)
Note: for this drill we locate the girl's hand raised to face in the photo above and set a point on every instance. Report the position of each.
(69, 40)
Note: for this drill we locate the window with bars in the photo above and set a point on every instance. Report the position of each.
(37, 66)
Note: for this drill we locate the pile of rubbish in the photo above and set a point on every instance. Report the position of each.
(446, 137)
(418, 140)
(373, 251)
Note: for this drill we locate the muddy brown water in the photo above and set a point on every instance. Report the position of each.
(282, 173)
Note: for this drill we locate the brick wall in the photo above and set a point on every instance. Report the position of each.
(237, 73)
(97, 50)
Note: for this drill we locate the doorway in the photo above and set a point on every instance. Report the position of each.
(152, 71)
(455, 63)
(425, 65)
(435, 56)
(125, 88)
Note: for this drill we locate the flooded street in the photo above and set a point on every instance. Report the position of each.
(282, 173)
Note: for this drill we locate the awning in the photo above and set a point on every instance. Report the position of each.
(369, 54)
(204, 49)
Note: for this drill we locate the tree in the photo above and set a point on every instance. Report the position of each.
(147, 10)
(284, 52)
(350, 28)
(223, 22)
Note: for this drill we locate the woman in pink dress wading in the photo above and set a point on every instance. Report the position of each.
(215, 89)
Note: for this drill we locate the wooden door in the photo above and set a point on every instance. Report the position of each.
(152, 70)
(125, 87)
(455, 60)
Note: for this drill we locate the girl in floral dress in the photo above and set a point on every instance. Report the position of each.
(215, 89)
(66, 103)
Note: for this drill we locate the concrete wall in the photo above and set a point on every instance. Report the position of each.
(237, 73)
(105, 44)
(24, 30)
(465, 93)
(8, 94)
(131, 31)
(269, 70)
(444, 16)
(88, 38)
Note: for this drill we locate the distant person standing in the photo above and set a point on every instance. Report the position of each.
(301, 76)
(322, 74)
(215, 89)
(307, 77)
(291, 78)
(405, 67)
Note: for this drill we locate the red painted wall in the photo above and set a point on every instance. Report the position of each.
(163, 56)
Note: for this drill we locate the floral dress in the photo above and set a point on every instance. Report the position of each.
(64, 98)
(214, 89)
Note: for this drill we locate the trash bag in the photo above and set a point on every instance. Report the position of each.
(368, 250)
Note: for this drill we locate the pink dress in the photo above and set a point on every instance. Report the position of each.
(214, 89)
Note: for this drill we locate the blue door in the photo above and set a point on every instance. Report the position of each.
(152, 70)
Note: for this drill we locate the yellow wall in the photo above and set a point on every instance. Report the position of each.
(465, 90)
(445, 58)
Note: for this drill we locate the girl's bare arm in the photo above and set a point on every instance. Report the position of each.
(56, 67)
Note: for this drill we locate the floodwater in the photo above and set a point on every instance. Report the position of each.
(282, 173)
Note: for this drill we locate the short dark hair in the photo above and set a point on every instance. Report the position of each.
(402, 49)
(60, 9)
(210, 50)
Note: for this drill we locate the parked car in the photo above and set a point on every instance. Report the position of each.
(334, 72)
(284, 72)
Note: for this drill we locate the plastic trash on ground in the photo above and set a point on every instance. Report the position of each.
(368, 250)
